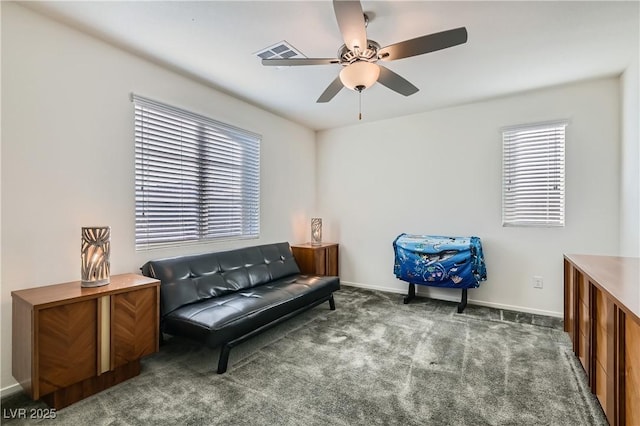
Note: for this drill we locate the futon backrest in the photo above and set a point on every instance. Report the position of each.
(188, 279)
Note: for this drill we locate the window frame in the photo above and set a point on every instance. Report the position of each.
(197, 180)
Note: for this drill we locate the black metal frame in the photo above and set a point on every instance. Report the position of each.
(411, 294)
(225, 349)
(463, 301)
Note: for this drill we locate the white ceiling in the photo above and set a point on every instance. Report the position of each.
(513, 46)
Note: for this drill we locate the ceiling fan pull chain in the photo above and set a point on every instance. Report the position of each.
(360, 105)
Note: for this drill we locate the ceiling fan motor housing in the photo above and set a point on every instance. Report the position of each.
(370, 54)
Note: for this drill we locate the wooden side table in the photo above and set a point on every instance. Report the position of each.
(319, 259)
(70, 342)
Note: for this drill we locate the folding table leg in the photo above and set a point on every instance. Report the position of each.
(411, 294)
(463, 302)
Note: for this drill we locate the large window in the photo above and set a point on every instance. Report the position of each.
(533, 175)
(196, 179)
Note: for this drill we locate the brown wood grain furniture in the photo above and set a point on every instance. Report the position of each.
(602, 316)
(70, 342)
(319, 259)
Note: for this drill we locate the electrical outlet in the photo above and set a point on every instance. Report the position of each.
(537, 281)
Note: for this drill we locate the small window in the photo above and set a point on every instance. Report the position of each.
(533, 175)
(196, 179)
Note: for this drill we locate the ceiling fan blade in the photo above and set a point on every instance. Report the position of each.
(396, 83)
(424, 44)
(350, 19)
(331, 91)
(280, 62)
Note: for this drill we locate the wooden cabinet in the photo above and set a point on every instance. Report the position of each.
(602, 317)
(70, 342)
(317, 259)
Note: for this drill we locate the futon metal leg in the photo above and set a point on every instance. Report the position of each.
(463, 302)
(332, 303)
(411, 294)
(224, 358)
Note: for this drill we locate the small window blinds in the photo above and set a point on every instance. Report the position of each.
(533, 175)
(195, 178)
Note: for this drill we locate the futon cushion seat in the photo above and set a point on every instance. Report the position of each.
(223, 298)
(218, 320)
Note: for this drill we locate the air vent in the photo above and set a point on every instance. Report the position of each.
(281, 50)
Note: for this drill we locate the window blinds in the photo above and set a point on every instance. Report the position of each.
(196, 178)
(533, 175)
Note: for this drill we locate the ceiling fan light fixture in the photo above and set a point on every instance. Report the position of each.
(360, 73)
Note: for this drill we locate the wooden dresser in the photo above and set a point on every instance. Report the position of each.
(602, 316)
(70, 342)
(321, 259)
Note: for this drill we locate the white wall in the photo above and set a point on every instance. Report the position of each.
(67, 155)
(440, 173)
(630, 161)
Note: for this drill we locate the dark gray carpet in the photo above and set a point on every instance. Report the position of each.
(372, 361)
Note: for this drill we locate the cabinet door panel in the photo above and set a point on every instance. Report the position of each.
(67, 332)
(305, 258)
(332, 260)
(601, 379)
(134, 325)
(632, 372)
(584, 332)
(320, 258)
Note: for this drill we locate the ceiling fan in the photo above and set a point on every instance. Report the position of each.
(359, 55)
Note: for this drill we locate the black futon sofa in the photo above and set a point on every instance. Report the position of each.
(224, 298)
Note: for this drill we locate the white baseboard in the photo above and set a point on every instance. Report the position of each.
(457, 299)
(10, 390)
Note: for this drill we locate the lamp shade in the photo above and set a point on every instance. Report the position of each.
(360, 73)
(94, 254)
